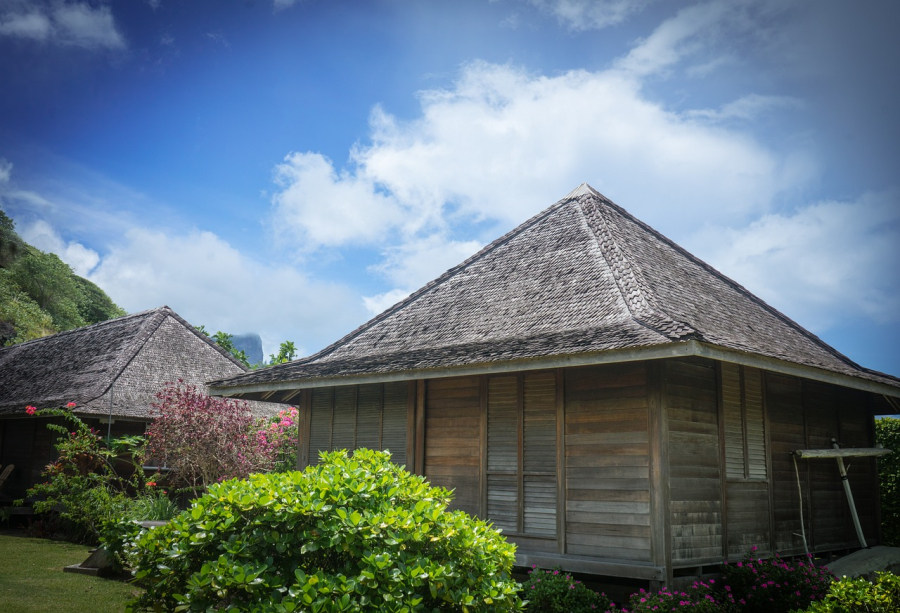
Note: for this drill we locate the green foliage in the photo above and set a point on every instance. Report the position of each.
(887, 434)
(51, 283)
(775, 585)
(11, 245)
(286, 352)
(861, 596)
(350, 534)
(553, 591)
(81, 487)
(95, 305)
(21, 313)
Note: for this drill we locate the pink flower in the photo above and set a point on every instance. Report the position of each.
(30, 409)
(71, 405)
(151, 483)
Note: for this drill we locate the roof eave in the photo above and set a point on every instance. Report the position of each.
(690, 348)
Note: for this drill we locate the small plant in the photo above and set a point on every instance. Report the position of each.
(775, 585)
(861, 596)
(552, 591)
(350, 534)
(82, 488)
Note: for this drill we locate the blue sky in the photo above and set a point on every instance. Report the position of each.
(291, 168)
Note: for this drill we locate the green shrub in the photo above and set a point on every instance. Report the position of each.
(350, 534)
(552, 591)
(860, 596)
(775, 585)
(887, 434)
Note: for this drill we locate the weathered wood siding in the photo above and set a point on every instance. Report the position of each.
(695, 486)
(607, 462)
(827, 503)
(453, 439)
(857, 430)
(787, 431)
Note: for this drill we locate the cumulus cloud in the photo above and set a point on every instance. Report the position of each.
(40, 234)
(581, 15)
(5, 171)
(745, 108)
(72, 24)
(209, 282)
(820, 263)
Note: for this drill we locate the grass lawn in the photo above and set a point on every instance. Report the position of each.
(32, 580)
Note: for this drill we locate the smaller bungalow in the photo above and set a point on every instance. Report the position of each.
(111, 370)
(615, 405)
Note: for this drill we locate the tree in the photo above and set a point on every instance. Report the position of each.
(887, 434)
(51, 283)
(21, 319)
(204, 439)
(96, 305)
(286, 353)
(11, 245)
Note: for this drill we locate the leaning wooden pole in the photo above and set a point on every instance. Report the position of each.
(846, 481)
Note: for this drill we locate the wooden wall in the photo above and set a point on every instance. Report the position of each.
(607, 454)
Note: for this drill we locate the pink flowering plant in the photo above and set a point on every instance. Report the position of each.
(775, 585)
(699, 597)
(553, 591)
(204, 440)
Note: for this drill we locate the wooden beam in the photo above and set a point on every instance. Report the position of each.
(660, 520)
(723, 477)
(608, 567)
(420, 427)
(560, 461)
(849, 452)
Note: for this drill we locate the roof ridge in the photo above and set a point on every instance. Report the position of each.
(437, 281)
(639, 297)
(735, 285)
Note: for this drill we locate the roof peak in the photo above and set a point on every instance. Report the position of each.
(583, 190)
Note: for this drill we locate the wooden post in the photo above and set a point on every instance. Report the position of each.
(660, 520)
(411, 426)
(560, 461)
(420, 427)
(305, 421)
(482, 443)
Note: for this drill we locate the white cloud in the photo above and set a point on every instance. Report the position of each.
(745, 108)
(381, 302)
(40, 234)
(207, 281)
(72, 24)
(821, 263)
(34, 25)
(316, 206)
(581, 15)
(5, 171)
(283, 4)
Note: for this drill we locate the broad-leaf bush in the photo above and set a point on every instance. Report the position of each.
(887, 434)
(775, 585)
(861, 596)
(553, 591)
(350, 534)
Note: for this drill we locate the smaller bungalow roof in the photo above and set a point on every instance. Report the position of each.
(80, 365)
(582, 282)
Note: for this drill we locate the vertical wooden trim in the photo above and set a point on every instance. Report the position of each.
(770, 474)
(331, 427)
(355, 417)
(660, 519)
(380, 419)
(560, 461)
(723, 443)
(420, 427)
(483, 443)
(744, 424)
(520, 483)
(305, 422)
(810, 528)
(411, 426)
(870, 415)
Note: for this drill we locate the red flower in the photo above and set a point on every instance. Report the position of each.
(151, 483)
(71, 405)
(30, 409)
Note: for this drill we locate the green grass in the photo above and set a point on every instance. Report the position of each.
(32, 580)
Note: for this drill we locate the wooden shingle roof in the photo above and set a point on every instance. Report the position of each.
(581, 282)
(81, 365)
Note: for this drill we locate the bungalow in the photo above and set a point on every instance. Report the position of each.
(111, 370)
(614, 404)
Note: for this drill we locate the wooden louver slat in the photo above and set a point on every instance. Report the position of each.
(320, 423)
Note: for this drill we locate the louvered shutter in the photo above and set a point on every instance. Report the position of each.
(503, 454)
(733, 421)
(320, 423)
(755, 423)
(539, 453)
(393, 422)
(368, 417)
(344, 424)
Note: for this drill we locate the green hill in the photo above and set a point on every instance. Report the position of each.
(40, 294)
